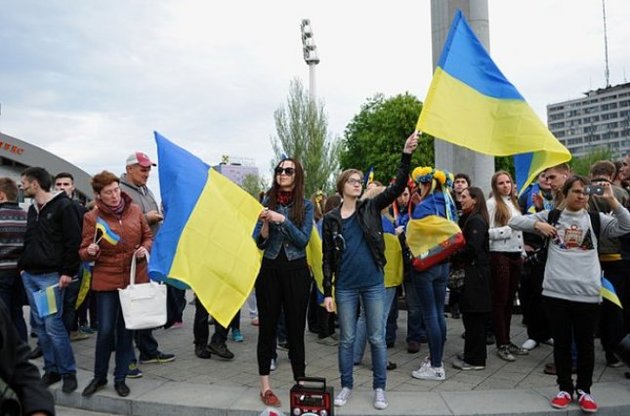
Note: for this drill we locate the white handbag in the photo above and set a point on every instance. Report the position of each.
(143, 305)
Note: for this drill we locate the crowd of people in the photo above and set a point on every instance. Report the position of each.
(548, 246)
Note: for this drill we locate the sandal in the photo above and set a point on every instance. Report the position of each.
(270, 399)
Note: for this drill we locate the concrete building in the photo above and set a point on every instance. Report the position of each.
(600, 119)
(236, 169)
(17, 155)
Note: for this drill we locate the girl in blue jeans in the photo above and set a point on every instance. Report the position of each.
(353, 252)
(430, 285)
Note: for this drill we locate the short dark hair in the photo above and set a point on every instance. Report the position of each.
(40, 175)
(464, 177)
(101, 180)
(573, 179)
(9, 187)
(64, 175)
(603, 168)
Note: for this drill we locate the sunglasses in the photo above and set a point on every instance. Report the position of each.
(287, 171)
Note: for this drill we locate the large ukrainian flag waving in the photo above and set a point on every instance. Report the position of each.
(470, 103)
(206, 239)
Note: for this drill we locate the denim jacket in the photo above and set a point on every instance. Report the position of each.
(293, 238)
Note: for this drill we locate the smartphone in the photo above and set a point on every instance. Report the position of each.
(595, 190)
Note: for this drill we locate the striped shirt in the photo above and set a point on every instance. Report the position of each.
(12, 229)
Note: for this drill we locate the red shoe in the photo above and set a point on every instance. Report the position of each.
(270, 399)
(586, 402)
(562, 400)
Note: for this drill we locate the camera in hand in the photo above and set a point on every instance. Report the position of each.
(595, 190)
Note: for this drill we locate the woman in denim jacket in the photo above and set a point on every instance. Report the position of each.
(283, 231)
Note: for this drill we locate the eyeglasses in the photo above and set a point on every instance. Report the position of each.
(353, 181)
(287, 171)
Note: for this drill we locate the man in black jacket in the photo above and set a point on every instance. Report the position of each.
(20, 375)
(50, 260)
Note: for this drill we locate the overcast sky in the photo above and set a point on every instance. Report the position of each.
(90, 81)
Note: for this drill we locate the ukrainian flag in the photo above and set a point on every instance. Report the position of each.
(471, 103)
(46, 301)
(206, 239)
(608, 292)
(107, 233)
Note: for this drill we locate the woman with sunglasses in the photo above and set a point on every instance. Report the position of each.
(283, 231)
(354, 252)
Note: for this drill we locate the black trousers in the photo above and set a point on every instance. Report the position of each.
(570, 321)
(530, 295)
(287, 286)
(475, 342)
(614, 320)
(200, 326)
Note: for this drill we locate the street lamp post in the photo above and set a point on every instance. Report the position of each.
(310, 54)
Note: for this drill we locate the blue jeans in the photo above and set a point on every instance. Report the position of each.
(111, 333)
(430, 287)
(360, 337)
(51, 333)
(373, 300)
(416, 330)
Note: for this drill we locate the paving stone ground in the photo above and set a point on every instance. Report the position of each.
(190, 385)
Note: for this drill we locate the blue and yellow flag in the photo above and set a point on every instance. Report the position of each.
(471, 103)
(106, 233)
(46, 301)
(206, 238)
(369, 176)
(85, 271)
(608, 292)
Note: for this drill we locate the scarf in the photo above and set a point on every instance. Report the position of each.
(118, 210)
(284, 197)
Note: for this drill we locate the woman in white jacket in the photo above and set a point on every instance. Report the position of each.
(506, 248)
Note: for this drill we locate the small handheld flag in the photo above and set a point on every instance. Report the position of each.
(608, 292)
(369, 176)
(107, 233)
(46, 301)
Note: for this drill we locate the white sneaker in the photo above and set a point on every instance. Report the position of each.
(549, 342)
(380, 401)
(272, 367)
(429, 373)
(529, 345)
(344, 395)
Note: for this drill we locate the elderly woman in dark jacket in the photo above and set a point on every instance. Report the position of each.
(112, 264)
(475, 301)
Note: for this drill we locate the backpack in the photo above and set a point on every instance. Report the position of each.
(539, 257)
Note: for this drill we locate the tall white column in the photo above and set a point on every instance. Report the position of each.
(448, 156)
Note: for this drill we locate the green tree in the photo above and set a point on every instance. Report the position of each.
(582, 165)
(254, 184)
(505, 163)
(302, 133)
(376, 135)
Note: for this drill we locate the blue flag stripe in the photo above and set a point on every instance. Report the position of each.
(190, 173)
(464, 57)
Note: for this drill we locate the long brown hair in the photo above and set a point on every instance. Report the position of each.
(297, 209)
(480, 203)
(502, 214)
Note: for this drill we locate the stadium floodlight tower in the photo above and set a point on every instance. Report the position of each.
(311, 56)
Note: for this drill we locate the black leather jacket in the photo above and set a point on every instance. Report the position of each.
(369, 216)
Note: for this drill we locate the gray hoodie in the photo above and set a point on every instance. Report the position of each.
(142, 196)
(573, 271)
